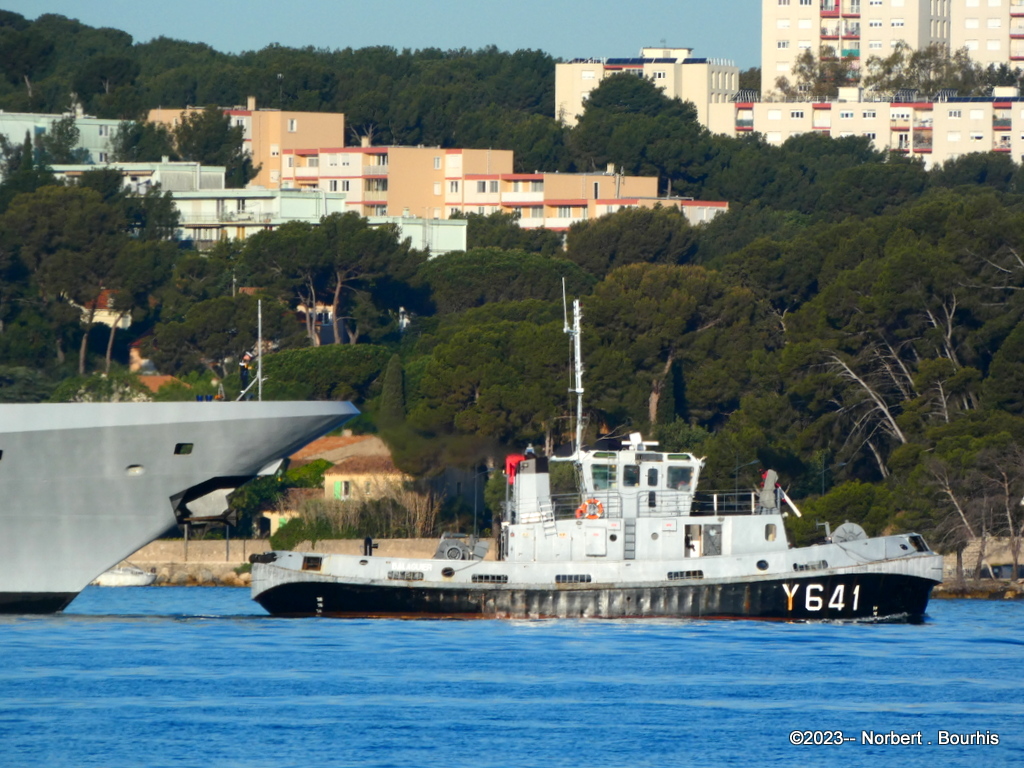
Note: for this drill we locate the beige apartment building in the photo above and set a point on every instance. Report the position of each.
(932, 131)
(856, 29)
(435, 183)
(674, 70)
(268, 134)
(992, 31)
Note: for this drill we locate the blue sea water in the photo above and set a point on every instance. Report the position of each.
(202, 677)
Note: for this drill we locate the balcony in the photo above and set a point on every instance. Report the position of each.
(523, 197)
(829, 7)
(830, 32)
(1003, 144)
(923, 142)
(375, 170)
(1002, 123)
(851, 30)
(851, 8)
(899, 124)
(851, 53)
(1017, 7)
(744, 125)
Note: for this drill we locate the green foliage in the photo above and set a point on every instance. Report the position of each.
(115, 387)
(502, 230)
(460, 281)
(324, 373)
(208, 137)
(631, 236)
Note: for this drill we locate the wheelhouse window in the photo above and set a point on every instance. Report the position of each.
(680, 478)
(604, 476)
(652, 477)
(631, 476)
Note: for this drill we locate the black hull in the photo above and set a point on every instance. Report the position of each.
(870, 596)
(35, 602)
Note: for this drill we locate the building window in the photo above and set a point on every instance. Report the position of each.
(453, 186)
(659, 75)
(774, 114)
(782, 23)
(803, 23)
(536, 186)
(875, 23)
(564, 212)
(846, 115)
(869, 114)
(290, 161)
(971, 23)
(345, 185)
(805, 2)
(275, 150)
(804, 45)
(995, 23)
(953, 136)
(782, 44)
(955, 114)
(871, 135)
(104, 130)
(977, 114)
(481, 186)
(875, 45)
(897, 22)
(312, 162)
(103, 157)
(494, 185)
(796, 114)
(971, 45)
(437, 187)
(293, 125)
(437, 163)
(977, 137)
(332, 185)
(783, 2)
(344, 160)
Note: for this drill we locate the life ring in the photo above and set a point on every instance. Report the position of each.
(592, 509)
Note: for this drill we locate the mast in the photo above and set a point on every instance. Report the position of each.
(577, 347)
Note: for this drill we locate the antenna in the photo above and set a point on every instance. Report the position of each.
(575, 332)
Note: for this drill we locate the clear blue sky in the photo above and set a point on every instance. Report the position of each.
(728, 29)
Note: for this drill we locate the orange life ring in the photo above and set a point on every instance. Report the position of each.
(592, 509)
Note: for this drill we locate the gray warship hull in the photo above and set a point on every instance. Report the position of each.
(84, 485)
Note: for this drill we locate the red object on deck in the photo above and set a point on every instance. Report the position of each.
(511, 464)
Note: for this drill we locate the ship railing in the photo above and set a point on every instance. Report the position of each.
(727, 503)
(564, 506)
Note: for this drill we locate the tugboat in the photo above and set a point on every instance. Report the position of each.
(638, 541)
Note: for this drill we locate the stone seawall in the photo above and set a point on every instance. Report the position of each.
(214, 563)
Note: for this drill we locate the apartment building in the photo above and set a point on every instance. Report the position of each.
(992, 31)
(435, 183)
(854, 29)
(674, 70)
(170, 176)
(268, 134)
(94, 133)
(933, 131)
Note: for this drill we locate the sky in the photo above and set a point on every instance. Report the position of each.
(723, 29)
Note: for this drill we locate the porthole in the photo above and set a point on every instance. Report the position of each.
(613, 537)
(363, 562)
(654, 537)
(447, 572)
(762, 565)
(134, 470)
